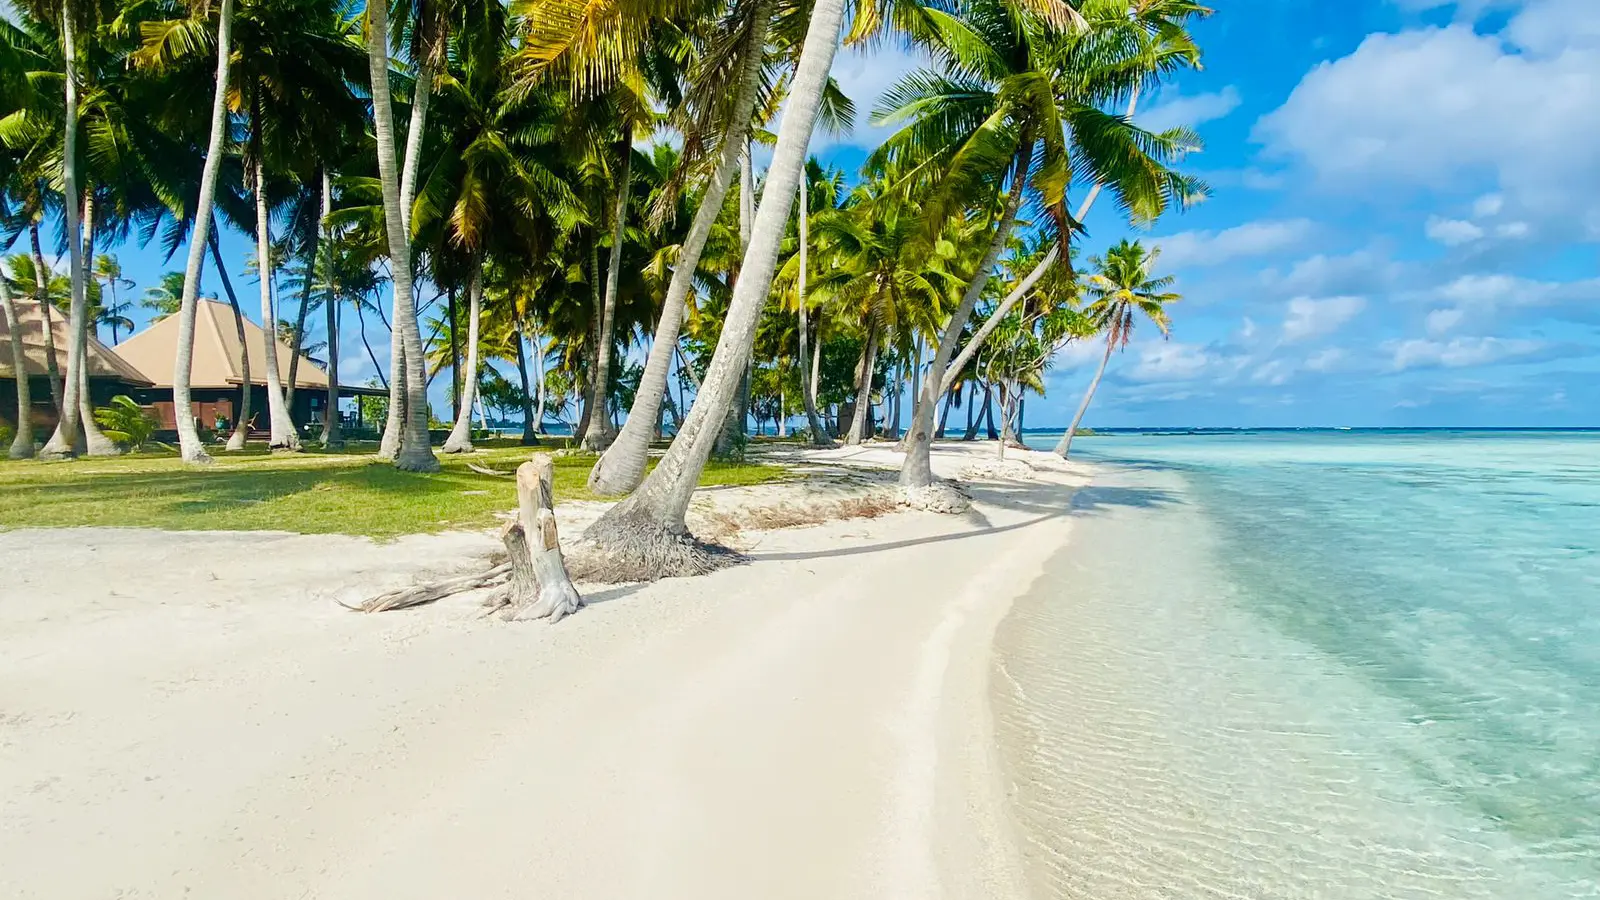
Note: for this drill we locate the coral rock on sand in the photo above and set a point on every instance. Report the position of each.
(998, 469)
(939, 497)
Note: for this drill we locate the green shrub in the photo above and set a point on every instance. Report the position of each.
(125, 422)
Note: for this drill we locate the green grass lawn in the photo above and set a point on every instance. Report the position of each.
(312, 493)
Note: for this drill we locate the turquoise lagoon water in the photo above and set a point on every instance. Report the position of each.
(1324, 665)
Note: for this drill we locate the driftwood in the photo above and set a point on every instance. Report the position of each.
(485, 470)
(534, 579)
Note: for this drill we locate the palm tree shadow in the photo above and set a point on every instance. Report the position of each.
(1050, 502)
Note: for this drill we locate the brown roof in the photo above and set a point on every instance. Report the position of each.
(153, 351)
(103, 363)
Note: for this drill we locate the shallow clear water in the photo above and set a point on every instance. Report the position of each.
(1320, 665)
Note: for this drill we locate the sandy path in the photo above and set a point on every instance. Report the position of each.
(811, 725)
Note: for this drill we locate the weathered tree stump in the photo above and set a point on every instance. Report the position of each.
(539, 586)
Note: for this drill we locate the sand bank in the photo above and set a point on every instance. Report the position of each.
(193, 715)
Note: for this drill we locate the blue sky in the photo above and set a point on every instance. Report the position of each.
(1405, 227)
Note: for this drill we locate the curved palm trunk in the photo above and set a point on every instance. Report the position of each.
(599, 433)
(530, 431)
(22, 442)
(332, 428)
(1065, 446)
(300, 321)
(41, 296)
(460, 440)
(65, 442)
(94, 441)
(282, 429)
(1026, 285)
(241, 423)
(413, 454)
(808, 390)
(647, 532)
(869, 359)
(917, 470)
(188, 436)
(621, 468)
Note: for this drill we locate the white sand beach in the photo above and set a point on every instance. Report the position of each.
(813, 724)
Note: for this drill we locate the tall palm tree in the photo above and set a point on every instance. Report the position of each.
(1122, 289)
(718, 112)
(1011, 100)
(648, 527)
(158, 52)
(64, 443)
(414, 453)
(114, 314)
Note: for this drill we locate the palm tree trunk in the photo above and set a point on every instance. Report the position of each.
(944, 414)
(241, 424)
(421, 94)
(455, 353)
(394, 424)
(300, 321)
(460, 440)
(530, 432)
(1065, 446)
(621, 467)
(94, 441)
(332, 430)
(646, 532)
(283, 436)
(66, 440)
(41, 295)
(1026, 285)
(22, 441)
(183, 409)
(917, 470)
(414, 454)
(599, 434)
(869, 356)
(808, 389)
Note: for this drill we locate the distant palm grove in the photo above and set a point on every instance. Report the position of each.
(573, 188)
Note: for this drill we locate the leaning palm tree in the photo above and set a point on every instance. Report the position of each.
(647, 532)
(1121, 287)
(157, 52)
(22, 441)
(727, 87)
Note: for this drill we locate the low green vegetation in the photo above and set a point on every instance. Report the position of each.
(313, 493)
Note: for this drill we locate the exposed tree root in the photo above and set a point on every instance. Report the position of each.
(628, 549)
(939, 497)
(427, 592)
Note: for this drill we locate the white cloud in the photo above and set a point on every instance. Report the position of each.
(865, 77)
(1273, 372)
(1361, 272)
(1431, 107)
(1442, 320)
(1456, 353)
(1308, 318)
(1325, 360)
(1172, 109)
(1488, 205)
(1452, 232)
(1170, 361)
(1210, 248)
(1513, 230)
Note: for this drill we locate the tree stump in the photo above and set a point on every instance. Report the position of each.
(539, 586)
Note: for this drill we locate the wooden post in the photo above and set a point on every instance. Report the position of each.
(539, 585)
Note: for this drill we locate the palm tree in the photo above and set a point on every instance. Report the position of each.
(1121, 287)
(158, 53)
(166, 298)
(22, 441)
(414, 453)
(114, 314)
(1009, 81)
(721, 103)
(65, 441)
(647, 529)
